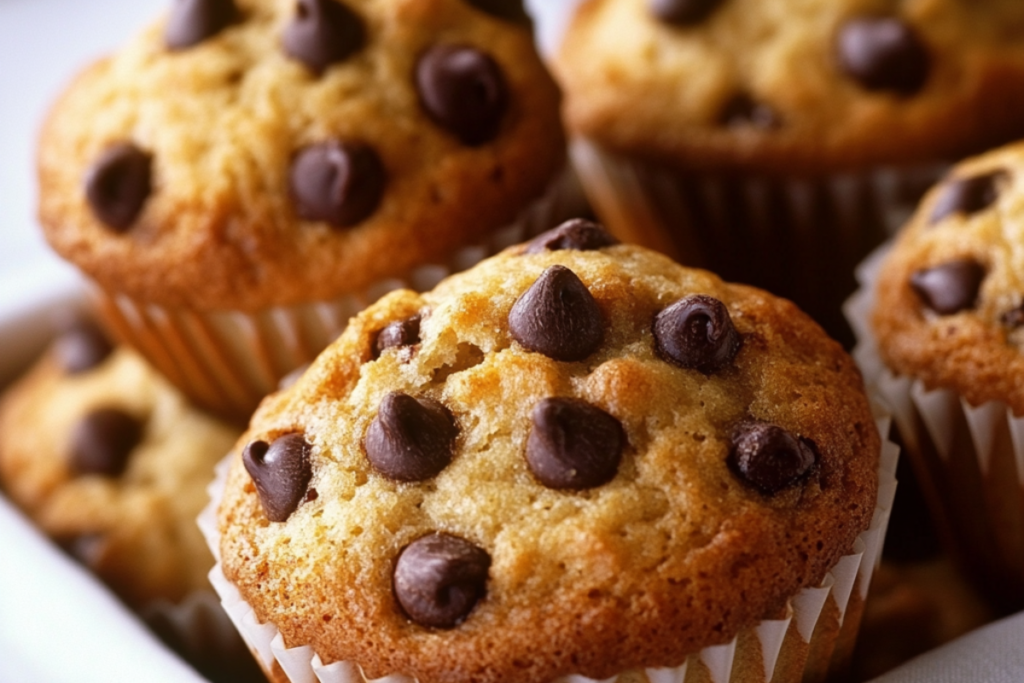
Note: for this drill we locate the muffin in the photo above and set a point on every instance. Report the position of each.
(243, 176)
(777, 143)
(939, 320)
(576, 458)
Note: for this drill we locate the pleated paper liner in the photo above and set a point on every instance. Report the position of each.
(797, 237)
(814, 639)
(969, 460)
(226, 361)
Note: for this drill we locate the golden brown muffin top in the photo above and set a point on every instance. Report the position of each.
(795, 85)
(295, 151)
(950, 293)
(522, 475)
(111, 462)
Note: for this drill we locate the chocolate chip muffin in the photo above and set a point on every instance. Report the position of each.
(940, 320)
(778, 142)
(245, 175)
(112, 463)
(577, 457)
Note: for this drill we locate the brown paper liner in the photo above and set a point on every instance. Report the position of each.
(814, 639)
(227, 361)
(969, 460)
(797, 237)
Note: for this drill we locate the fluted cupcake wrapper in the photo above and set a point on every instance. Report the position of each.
(797, 237)
(969, 459)
(226, 361)
(816, 636)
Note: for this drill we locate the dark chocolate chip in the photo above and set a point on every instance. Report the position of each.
(557, 316)
(400, 333)
(281, 472)
(743, 111)
(82, 347)
(439, 578)
(410, 439)
(103, 440)
(1014, 318)
(337, 182)
(463, 91)
(577, 234)
(950, 287)
(769, 458)
(322, 33)
(573, 445)
(968, 195)
(510, 10)
(697, 333)
(118, 185)
(883, 53)
(683, 12)
(193, 21)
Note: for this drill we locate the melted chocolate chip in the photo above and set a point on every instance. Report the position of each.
(576, 234)
(281, 472)
(573, 445)
(743, 111)
(769, 458)
(193, 21)
(950, 287)
(439, 578)
(883, 53)
(557, 316)
(118, 185)
(102, 441)
(683, 12)
(82, 347)
(511, 10)
(697, 333)
(968, 195)
(337, 182)
(463, 91)
(322, 32)
(1013, 318)
(398, 334)
(410, 439)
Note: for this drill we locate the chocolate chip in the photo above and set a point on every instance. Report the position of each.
(883, 53)
(697, 333)
(102, 441)
(769, 458)
(82, 347)
(743, 111)
(573, 445)
(281, 472)
(322, 32)
(193, 21)
(118, 184)
(557, 316)
(337, 182)
(439, 578)
(1013, 318)
(683, 12)
(410, 439)
(968, 195)
(463, 91)
(511, 10)
(400, 333)
(949, 288)
(577, 234)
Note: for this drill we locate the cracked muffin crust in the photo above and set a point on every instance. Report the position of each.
(576, 457)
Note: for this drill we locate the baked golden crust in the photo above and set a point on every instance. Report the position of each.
(661, 93)
(223, 120)
(673, 554)
(976, 351)
(137, 530)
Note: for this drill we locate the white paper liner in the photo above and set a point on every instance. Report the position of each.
(981, 521)
(850, 576)
(228, 360)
